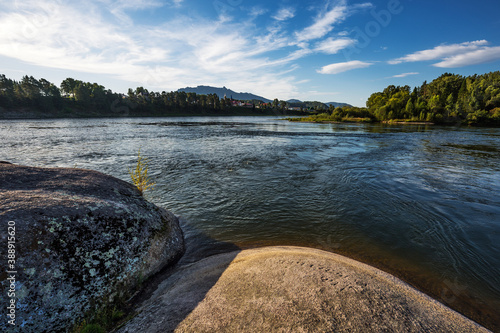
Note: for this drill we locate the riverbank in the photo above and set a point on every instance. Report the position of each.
(123, 112)
(286, 288)
(404, 122)
(321, 120)
(325, 118)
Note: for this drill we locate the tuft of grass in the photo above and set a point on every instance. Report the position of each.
(139, 175)
(106, 319)
(93, 328)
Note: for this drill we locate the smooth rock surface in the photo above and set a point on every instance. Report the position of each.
(291, 289)
(82, 238)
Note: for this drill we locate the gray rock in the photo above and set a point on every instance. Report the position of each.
(82, 238)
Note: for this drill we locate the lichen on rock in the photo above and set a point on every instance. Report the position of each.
(81, 236)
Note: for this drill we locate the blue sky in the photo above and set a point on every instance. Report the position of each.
(310, 50)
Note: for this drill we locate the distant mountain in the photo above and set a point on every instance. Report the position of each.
(296, 102)
(314, 104)
(336, 104)
(221, 92)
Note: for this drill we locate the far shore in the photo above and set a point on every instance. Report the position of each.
(362, 121)
(76, 113)
(408, 122)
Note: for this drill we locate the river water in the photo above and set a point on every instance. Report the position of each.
(420, 202)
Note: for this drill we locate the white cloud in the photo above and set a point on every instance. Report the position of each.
(101, 37)
(257, 11)
(137, 4)
(455, 55)
(344, 67)
(284, 14)
(181, 52)
(364, 5)
(303, 81)
(441, 51)
(487, 54)
(119, 7)
(404, 74)
(332, 46)
(324, 23)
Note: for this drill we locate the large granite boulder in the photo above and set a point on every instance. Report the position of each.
(290, 289)
(82, 239)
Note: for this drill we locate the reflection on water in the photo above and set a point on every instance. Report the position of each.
(418, 201)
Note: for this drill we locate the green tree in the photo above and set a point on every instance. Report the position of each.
(7, 96)
(82, 94)
(276, 104)
(410, 108)
(450, 105)
(282, 105)
(68, 86)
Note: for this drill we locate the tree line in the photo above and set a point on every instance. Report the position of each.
(450, 98)
(75, 97)
(45, 96)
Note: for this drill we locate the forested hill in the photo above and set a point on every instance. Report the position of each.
(450, 98)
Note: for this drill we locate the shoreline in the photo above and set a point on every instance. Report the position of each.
(389, 122)
(266, 113)
(35, 114)
(386, 122)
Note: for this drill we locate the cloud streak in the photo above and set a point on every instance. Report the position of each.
(284, 14)
(440, 52)
(454, 55)
(344, 67)
(477, 57)
(404, 75)
(333, 46)
(324, 23)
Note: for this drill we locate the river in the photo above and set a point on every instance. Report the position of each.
(421, 202)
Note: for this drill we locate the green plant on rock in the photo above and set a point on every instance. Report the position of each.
(139, 175)
(106, 319)
(93, 328)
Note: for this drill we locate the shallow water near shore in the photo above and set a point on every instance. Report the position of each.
(420, 201)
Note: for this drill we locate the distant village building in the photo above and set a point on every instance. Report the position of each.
(241, 104)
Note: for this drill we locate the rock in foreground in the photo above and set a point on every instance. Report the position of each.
(291, 289)
(82, 238)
